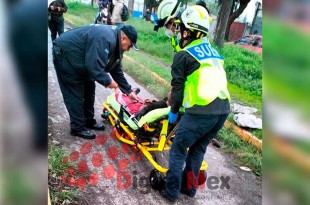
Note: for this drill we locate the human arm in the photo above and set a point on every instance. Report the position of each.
(63, 8)
(58, 7)
(178, 74)
(118, 75)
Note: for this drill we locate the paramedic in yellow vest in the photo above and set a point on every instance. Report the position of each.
(169, 12)
(199, 85)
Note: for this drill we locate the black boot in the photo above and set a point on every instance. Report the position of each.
(86, 134)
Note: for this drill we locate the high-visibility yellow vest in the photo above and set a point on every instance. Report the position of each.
(209, 80)
(175, 45)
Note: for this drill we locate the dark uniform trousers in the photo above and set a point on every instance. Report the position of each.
(56, 25)
(78, 92)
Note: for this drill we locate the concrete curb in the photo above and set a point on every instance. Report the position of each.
(245, 135)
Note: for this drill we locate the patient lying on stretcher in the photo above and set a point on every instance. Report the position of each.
(144, 115)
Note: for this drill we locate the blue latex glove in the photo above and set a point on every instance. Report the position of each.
(172, 117)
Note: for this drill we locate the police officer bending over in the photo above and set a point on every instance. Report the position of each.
(85, 55)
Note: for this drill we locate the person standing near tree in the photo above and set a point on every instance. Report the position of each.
(55, 17)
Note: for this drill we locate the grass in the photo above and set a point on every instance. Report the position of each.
(74, 17)
(283, 177)
(243, 69)
(245, 153)
(286, 63)
(60, 193)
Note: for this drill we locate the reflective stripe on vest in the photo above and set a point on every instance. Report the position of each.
(209, 80)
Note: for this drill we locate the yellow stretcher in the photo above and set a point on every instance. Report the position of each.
(125, 126)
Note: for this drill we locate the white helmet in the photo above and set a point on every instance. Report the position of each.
(196, 18)
(167, 10)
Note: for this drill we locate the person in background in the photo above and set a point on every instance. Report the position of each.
(110, 11)
(87, 54)
(101, 5)
(169, 12)
(147, 15)
(198, 84)
(203, 4)
(55, 17)
(116, 13)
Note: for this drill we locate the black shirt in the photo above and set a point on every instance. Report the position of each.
(58, 4)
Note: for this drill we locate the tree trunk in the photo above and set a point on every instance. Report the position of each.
(222, 22)
(234, 15)
(130, 6)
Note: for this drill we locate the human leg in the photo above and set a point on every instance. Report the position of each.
(211, 124)
(185, 137)
(89, 101)
(60, 25)
(53, 28)
(72, 90)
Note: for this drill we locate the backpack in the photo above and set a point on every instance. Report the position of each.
(125, 13)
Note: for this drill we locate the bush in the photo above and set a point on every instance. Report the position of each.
(243, 68)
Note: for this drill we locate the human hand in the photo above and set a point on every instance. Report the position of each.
(59, 9)
(52, 7)
(117, 90)
(133, 96)
(172, 117)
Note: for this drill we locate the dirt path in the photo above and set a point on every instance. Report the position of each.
(110, 172)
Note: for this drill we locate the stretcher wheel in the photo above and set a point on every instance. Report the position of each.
(202, 177)
(157, 181)
(105, 114)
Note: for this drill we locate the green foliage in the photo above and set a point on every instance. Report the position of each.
(283, 176)
(286, 63)
(56, 167)
(247, 154)
(243, 68)
(19, 187)
(140, 65)
(153, 42)
(74, 17)
(64, 196)
(55, 160)
(214, 8)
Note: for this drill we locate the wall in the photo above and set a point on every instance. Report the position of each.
(236, 31)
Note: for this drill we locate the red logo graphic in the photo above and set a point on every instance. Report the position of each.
(93, 161)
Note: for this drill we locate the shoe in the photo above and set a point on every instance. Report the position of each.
(86, 134)
(183, 191)
(165, 195)
(96, 126)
